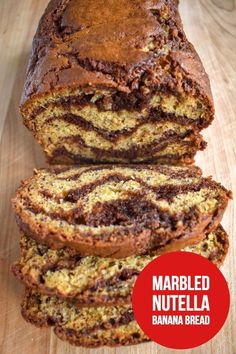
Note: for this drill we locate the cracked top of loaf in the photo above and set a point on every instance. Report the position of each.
(123, 45)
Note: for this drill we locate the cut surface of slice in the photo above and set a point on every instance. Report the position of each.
(87, 326)
(119, 211)
(95, 280)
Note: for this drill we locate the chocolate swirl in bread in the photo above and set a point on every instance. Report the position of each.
(87, 326)
(119, 211)
(95, 280)
(116, 81)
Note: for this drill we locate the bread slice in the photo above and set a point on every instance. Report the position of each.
(116, 81)
(94, 280)
(119, 211)
(87, 326)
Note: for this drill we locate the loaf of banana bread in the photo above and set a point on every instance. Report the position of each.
(118, 211)
(95, 280)
(87, 326)
(116, 81)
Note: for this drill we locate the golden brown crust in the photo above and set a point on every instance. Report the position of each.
(76, 46)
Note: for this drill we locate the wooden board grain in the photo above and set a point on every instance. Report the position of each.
(211, 26)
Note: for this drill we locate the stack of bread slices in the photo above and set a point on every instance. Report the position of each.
(87, 233)
(116, 87)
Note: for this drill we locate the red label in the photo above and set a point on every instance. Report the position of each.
(181, 300)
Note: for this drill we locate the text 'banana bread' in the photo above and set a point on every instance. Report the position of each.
(119, 211)
(87, 326)
(116, 81)
(95, 280)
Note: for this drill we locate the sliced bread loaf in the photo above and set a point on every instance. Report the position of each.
(118, 211)
(87, 326)
(94, 280)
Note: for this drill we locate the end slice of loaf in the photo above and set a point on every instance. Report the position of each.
(119, 211)
(87, 326)
(116, 81)
(94, 280)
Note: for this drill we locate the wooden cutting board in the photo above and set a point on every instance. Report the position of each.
(211, 26)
